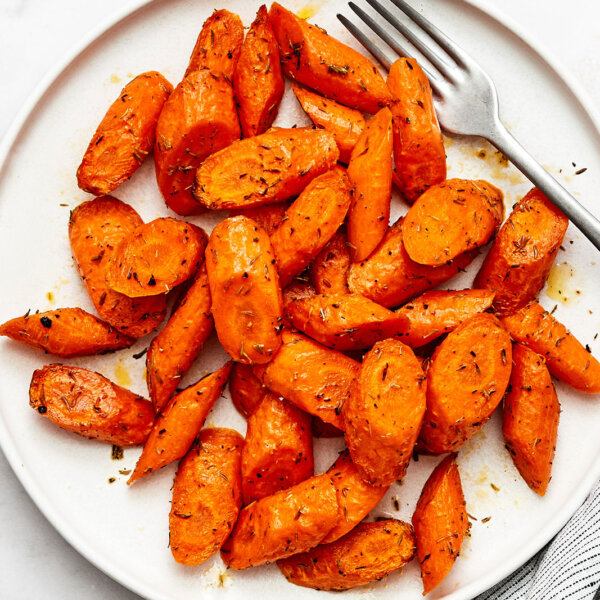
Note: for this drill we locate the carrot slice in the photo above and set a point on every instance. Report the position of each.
(258, 82)
(368, 553)
(310, 222)
(264, 169)
(329, 269)
(419, 155)
(96, 228)
(317, 60)
(370, 170)
(441, 523)
(246, 390)
(90, 405)
(531, 414)
(466, 380)
(452, 218)
(65, 332)
(565, 357)
(517, 265)
(156, 257)
(206, 496)
(125, 135)
(172, 352)
(346, 124)
(179, 423)
(268, 216)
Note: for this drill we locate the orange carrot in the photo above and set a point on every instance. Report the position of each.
(268, 216)
(246, 390)
(329, 269)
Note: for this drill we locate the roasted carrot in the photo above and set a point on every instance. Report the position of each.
(441, 522)
(207, 496)
(257, 81)
(451, 218)
(433, 314)
(317, 60)
(125, 135)
(172, 352)
(288, 522)
(314, 378)
(245, 388)
(179, 423)
(96, 228)
(370, 170)
(297, 290)
(320, 429)
(198, 119)
(244, 287)
(346, 124)
(517, 266)
(531, 414)
(467, 377)
(218, 45)
(156, 257)
(264, 169)
(368, 553)
(383, 414)
(329, 269)
(356, 497)
(65, 332)
(310, 222)
(419, 155)
(345, 321)
(389, 277)
(565, 356)
(278, 452)
(90, 405)
(268, 216)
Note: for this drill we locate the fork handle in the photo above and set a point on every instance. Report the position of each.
(587, 223)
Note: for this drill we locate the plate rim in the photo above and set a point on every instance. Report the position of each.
(70, 534)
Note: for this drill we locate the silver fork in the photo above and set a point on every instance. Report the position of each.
(466, 100)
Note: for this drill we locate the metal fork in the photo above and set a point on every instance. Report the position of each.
(465, 99)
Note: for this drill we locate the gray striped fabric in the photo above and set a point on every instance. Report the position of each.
(566, 569)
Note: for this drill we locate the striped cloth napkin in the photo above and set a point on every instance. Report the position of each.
(568, 568)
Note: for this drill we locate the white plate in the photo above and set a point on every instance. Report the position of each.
(125, 531)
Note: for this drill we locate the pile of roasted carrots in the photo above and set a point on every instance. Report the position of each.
(322, 305)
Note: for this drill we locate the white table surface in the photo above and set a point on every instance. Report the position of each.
(36, 563)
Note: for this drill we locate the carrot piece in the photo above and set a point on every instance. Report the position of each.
(467, 377)
(206, 496)
(179, 423)
(288, 522)
(268, 216)
(419, 155)
(218, 45)
(368, 553)
(314, 378)
(565, 357)
(264, 169)
(531, 414)
(310, 222)
(125, 135)
(65, 332)
(317, 60)
(198, 119)
(521, 257)
(389, 277)
(257, 81)
(390, 383)
(433, 314)
(356, 497)
(370, 170)
(156, 257)
(452, 218)
(320, 429)
(172, 352)
(244, 286)
(96, 228)
(297, 290)
(246, 390)
(346, 321)
(90, 405)
(278, 452)
(441, 523)
(346, 124)
(329, 269)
